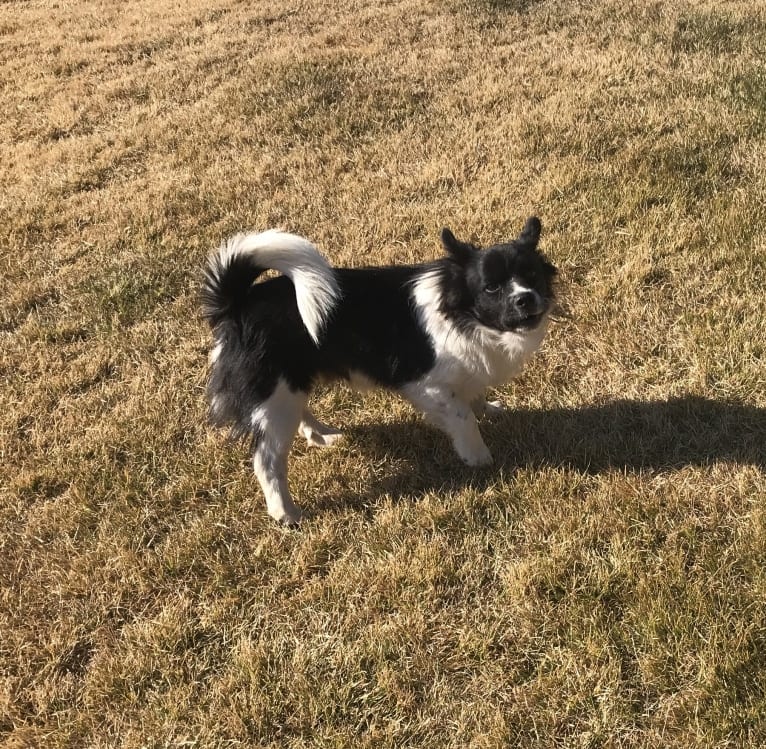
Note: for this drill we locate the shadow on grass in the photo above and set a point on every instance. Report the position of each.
(623, 435)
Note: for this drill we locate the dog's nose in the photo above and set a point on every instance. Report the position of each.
(528, 301)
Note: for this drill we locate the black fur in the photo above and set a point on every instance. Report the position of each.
(372, 331)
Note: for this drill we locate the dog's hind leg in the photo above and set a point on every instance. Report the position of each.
(317, 433)
(482, 407)
(275, 422)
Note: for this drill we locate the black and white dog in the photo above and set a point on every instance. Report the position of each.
(438, 333)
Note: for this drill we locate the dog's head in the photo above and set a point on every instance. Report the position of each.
(506, 287)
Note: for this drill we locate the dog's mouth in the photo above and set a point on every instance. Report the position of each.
(527, 309)
(526, 322)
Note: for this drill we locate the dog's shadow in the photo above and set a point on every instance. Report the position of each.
(624, 435)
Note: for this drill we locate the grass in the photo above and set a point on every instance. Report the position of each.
(602, 586)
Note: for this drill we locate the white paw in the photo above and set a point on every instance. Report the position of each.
(493, 408)
(319, 439)
(289, 517)
(318, 434)
(477, 456)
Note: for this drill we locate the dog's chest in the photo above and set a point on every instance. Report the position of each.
(488, 358)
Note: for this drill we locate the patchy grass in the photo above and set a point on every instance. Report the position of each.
(602, 586)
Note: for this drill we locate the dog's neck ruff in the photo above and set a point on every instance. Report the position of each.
(475, 357)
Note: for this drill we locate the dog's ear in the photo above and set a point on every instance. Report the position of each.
(531, 231)
(460, 251)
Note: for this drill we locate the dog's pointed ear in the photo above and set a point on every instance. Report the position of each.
(531, 231)
(460, 251)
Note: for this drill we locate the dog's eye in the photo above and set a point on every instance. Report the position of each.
(492, 288)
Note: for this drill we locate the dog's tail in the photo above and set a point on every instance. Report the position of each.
(231, 270)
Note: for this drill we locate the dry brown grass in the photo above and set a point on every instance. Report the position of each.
(604, 586)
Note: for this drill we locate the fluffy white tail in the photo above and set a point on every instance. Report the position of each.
(316, 289)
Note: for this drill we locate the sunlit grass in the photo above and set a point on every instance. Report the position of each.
(602, 585)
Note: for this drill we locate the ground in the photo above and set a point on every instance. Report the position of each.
(602, 585)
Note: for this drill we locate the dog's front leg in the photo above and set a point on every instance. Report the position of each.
(450, 413)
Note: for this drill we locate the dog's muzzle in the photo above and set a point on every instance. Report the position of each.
(526, 310)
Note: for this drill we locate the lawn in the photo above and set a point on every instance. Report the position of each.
(603, 585)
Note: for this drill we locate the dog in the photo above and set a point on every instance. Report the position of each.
(439, 334)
